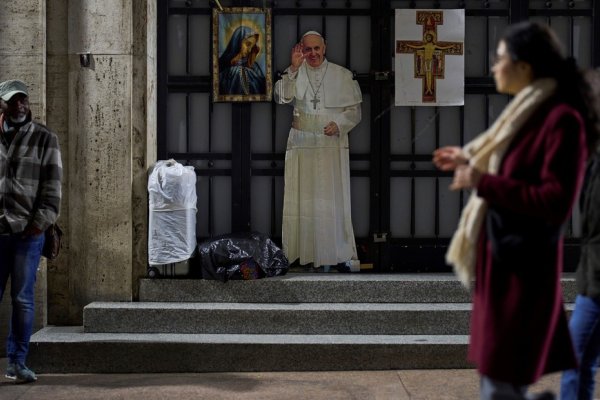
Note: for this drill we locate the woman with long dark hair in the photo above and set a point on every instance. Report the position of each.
(525, 172)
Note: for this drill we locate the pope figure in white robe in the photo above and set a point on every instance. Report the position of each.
(317, 225)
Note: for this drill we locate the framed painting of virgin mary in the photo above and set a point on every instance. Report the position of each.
(241, 42)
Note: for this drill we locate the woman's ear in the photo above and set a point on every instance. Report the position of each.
(526, 70)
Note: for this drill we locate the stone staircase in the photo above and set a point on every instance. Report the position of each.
(297, 322)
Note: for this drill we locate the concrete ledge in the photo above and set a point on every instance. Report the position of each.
(301, 318)
(321, 288)
(311, 288)
(69, 350)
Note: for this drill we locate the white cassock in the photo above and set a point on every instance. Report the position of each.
(317, 225)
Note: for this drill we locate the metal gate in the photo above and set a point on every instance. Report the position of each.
(402, 212)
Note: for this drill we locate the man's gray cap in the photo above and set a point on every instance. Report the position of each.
(9, 88)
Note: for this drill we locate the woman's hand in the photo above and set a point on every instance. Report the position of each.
(297, 57)
(448, 158)
(465, 177)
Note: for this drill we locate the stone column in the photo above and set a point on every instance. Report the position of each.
(111, 142)
(108, 148)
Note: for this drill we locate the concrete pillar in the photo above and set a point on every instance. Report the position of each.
(112, 142)
(100, 151)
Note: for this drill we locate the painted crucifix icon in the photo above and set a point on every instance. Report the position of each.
(429, 53)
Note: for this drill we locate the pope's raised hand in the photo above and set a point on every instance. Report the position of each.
(297, 57)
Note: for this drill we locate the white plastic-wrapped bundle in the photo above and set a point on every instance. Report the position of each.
(172, 209)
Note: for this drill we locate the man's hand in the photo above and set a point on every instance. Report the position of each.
(297, 57)
(331, 129)
(31, 230)
(465, 177)
(448, 158)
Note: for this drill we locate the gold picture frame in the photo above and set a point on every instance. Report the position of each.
(242, 64)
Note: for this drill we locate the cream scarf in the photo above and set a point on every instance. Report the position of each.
(485, 153)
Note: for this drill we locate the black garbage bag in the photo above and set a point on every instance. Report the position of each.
(249, 255)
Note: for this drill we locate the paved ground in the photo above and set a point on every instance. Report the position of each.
(353, 385)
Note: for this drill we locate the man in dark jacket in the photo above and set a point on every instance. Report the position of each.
(30, 193)
(585, 321)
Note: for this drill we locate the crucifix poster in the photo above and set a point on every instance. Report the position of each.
(429, 60)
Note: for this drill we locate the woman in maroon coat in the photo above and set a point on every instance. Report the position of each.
(526, 171)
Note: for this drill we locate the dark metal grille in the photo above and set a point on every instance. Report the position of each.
(404, 215)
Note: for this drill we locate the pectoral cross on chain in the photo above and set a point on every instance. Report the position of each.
(315, 101)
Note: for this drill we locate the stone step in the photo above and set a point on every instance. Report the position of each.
(210, 326)
(320, 288)
(290, 318)
(70, 350)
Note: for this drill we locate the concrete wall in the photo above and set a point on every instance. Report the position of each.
(107, 135)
